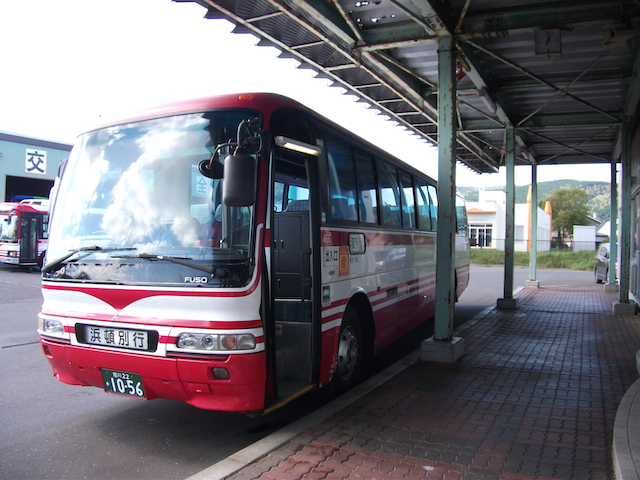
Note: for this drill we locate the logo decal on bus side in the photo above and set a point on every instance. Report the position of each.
(196, 279)
(344, 261)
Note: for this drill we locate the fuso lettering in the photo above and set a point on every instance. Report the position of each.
(196, 279)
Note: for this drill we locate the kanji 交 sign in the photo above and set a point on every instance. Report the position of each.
(36, 162)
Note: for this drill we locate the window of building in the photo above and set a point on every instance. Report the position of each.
(480, 235)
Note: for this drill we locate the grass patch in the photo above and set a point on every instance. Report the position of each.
(554, 259)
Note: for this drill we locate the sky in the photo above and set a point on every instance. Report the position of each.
(69, 65)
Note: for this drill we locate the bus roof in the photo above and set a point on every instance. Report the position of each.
(24, 206)
(267, 103)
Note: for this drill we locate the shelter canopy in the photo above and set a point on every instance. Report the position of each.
(563, 74)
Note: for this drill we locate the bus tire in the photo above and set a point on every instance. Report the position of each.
(350, 351)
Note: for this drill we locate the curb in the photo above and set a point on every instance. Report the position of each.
(626, 438)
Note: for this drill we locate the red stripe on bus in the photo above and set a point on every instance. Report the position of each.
(165, 322)
(120, 298)
(337, 238)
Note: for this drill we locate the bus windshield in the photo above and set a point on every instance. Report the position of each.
(134, 209)
(8, 227)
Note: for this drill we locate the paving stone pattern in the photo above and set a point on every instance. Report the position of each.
(533, 398)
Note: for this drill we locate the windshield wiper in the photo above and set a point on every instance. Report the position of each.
(56, 264)
(216, 272)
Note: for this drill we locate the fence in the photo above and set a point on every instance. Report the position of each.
(523, 245)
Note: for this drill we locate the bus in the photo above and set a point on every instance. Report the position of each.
(234, 253)
(24, 231)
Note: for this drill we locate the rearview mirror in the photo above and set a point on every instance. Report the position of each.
(239, 185)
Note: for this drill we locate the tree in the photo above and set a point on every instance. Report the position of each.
(600, 205)
(569, 208)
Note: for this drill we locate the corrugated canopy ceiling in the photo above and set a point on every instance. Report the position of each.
(562, 73)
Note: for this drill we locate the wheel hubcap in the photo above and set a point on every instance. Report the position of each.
(348, 352)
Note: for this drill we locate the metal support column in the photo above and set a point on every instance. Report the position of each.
(612, 284)
(533, 253)
(443, 346)
(623, 306)
(446, 189)
(508, 302)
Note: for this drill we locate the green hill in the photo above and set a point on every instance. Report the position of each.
(599, 200)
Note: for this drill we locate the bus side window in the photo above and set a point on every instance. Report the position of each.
(461, 216)
(424, 218)
(342, 180)
(367, 187)
(45, 225)
(389, 195)
(433, 197)
(297, 199)
(408, 202)
(278, 196)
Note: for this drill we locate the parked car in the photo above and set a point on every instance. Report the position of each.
(601, 270)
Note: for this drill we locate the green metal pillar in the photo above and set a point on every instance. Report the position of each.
(533, 253)
(613, 235)
(445, 291)
(623, 306)
(508, 302)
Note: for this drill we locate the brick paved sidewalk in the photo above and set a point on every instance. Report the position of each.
(533, 398)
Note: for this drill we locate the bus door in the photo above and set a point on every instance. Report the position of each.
(292, 280)
(28, 237)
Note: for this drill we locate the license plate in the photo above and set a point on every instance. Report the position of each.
(116, 337)
(123, 383)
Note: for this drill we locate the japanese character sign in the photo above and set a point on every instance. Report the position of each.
(36, 162)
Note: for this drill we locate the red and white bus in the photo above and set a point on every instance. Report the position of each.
(233, 253)
(24, 231)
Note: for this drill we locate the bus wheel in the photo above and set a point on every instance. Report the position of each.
(350, 351)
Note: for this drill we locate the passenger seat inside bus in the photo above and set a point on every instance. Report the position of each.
(297, 206)
(341, 209)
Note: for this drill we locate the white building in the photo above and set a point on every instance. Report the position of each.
(584, 238)
(487, 223)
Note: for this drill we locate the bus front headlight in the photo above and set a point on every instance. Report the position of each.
(208, 342)
(51, 326)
